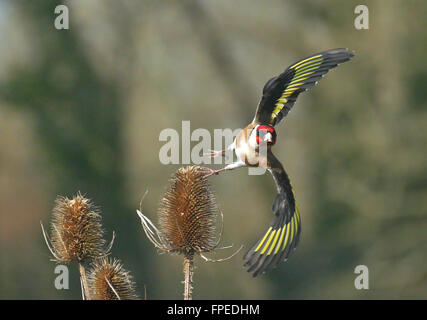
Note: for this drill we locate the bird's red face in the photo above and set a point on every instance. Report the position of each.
(265, 134)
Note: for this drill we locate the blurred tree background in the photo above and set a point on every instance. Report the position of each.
(82, 109)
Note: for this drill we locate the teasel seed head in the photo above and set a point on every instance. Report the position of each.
(108, 280)
(76, 231)
(187, 213)
(187, 221)
(186, 216)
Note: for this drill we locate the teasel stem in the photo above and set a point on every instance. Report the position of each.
(188, 276)
(83, 282)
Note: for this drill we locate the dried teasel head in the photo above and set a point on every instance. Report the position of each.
(187, 221)
(108, 280)
(76, 231)
(187, 215)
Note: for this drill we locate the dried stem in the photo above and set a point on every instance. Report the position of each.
(83, 281)
(188, 276)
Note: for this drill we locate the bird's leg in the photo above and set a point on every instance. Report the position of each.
(214, 153)
(212, 172)
(231, 166)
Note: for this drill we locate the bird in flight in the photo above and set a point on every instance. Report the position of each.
(252, 147)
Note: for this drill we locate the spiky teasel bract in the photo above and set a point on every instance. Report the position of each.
(108, 280)
(76, 230)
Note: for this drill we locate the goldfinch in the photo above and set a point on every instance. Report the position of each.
(278, 97)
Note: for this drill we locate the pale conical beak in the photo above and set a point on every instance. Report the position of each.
(268, 137)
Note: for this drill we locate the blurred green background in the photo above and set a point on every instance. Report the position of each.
(82, 109)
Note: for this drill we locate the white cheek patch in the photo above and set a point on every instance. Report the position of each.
(268, 137)
(252, 139)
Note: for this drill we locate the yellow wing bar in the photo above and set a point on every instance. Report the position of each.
(277, 240)
(303, 70)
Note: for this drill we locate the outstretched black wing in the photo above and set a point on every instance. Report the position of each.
(280, 93)
(282, 236)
